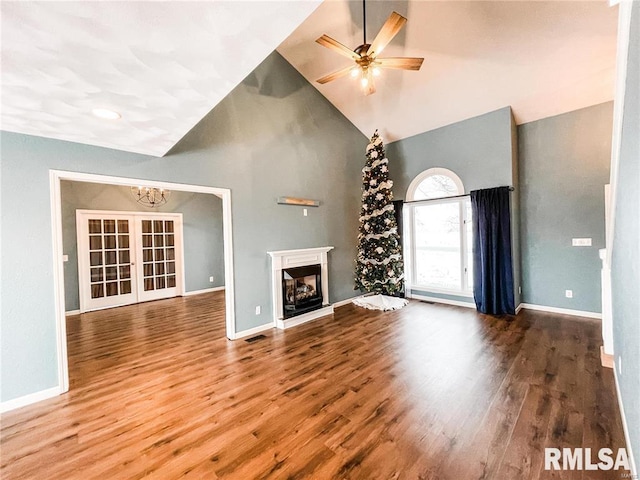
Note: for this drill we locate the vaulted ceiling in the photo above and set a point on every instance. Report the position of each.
(164, 65)
(542, 58)
(161, 65)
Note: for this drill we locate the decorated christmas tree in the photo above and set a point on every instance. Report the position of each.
(379, 267)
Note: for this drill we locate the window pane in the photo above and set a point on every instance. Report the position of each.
(95, 226)
(125, 272)
(112, 289)
(110, 257)
(110, 226)
(125, 287)
(437, 245)
(123, 226)
(95, 258)
(123, 241)
(96, 274)
(110, 241)
(124, 256)
(111, 273)
(97, 290)
(95, 242)
(469, 226)
(436, 186)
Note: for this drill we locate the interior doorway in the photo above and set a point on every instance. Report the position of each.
(56, 177)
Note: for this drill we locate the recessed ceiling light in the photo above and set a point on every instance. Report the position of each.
(106, 113)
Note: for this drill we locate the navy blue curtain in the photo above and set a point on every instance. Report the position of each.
(492, 264)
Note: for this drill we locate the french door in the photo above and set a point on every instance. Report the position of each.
(128, 257)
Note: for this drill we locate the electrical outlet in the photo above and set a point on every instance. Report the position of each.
(520, 289)
(211, 279)
(65, 258)
(305, 212)
(258, 310)
(568, 293)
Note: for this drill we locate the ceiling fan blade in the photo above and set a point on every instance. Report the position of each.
(334, 75)
(336, 46)
(390, 29)
(401, 63)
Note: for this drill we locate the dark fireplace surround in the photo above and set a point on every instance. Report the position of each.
(301, 290)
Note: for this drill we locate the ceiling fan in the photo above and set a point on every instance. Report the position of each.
(365, 56)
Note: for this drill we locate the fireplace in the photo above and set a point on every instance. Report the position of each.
(299, 286)
(301, 290)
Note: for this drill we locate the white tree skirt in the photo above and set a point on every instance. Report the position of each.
(380, 302)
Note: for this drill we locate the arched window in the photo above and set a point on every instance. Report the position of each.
(439, 235)
(435, 183)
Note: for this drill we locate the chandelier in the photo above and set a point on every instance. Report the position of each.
(150, 196)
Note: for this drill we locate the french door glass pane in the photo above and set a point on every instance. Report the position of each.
(97, 290)
(125, 287)
(108, 265)
(158, 256)
(437, 246)
(95, 226)
(95, 242)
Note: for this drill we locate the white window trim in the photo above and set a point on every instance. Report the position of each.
(413, 186)
(409, 234)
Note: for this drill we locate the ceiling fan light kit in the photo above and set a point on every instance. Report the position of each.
(368, 64)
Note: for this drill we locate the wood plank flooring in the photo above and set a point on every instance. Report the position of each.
(426, 392)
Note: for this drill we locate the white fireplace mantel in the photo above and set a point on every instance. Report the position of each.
(298, 258)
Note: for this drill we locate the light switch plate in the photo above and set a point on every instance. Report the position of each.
(581, 242)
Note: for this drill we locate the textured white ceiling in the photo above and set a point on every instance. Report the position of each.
(542, 58)
(164, 65)
(161, 65)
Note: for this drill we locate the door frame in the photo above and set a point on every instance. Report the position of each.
(55, 177)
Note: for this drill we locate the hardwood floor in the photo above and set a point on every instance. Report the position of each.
(428, 391)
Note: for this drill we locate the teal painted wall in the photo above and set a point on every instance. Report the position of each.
(564, 165)
(479, 150)
(625, 262)
(201, 225)
(274, 135)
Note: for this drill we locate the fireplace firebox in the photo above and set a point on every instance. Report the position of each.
(301, 290)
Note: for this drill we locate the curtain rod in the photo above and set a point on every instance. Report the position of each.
(511, 189)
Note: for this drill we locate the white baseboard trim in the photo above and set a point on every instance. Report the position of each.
(446, 301)
(304, 318)
(254, 331)
(72, 312)
(205, 290)
(342, 303)
(563, 311)
(625, 428)
(29, 399)
(518, 308)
